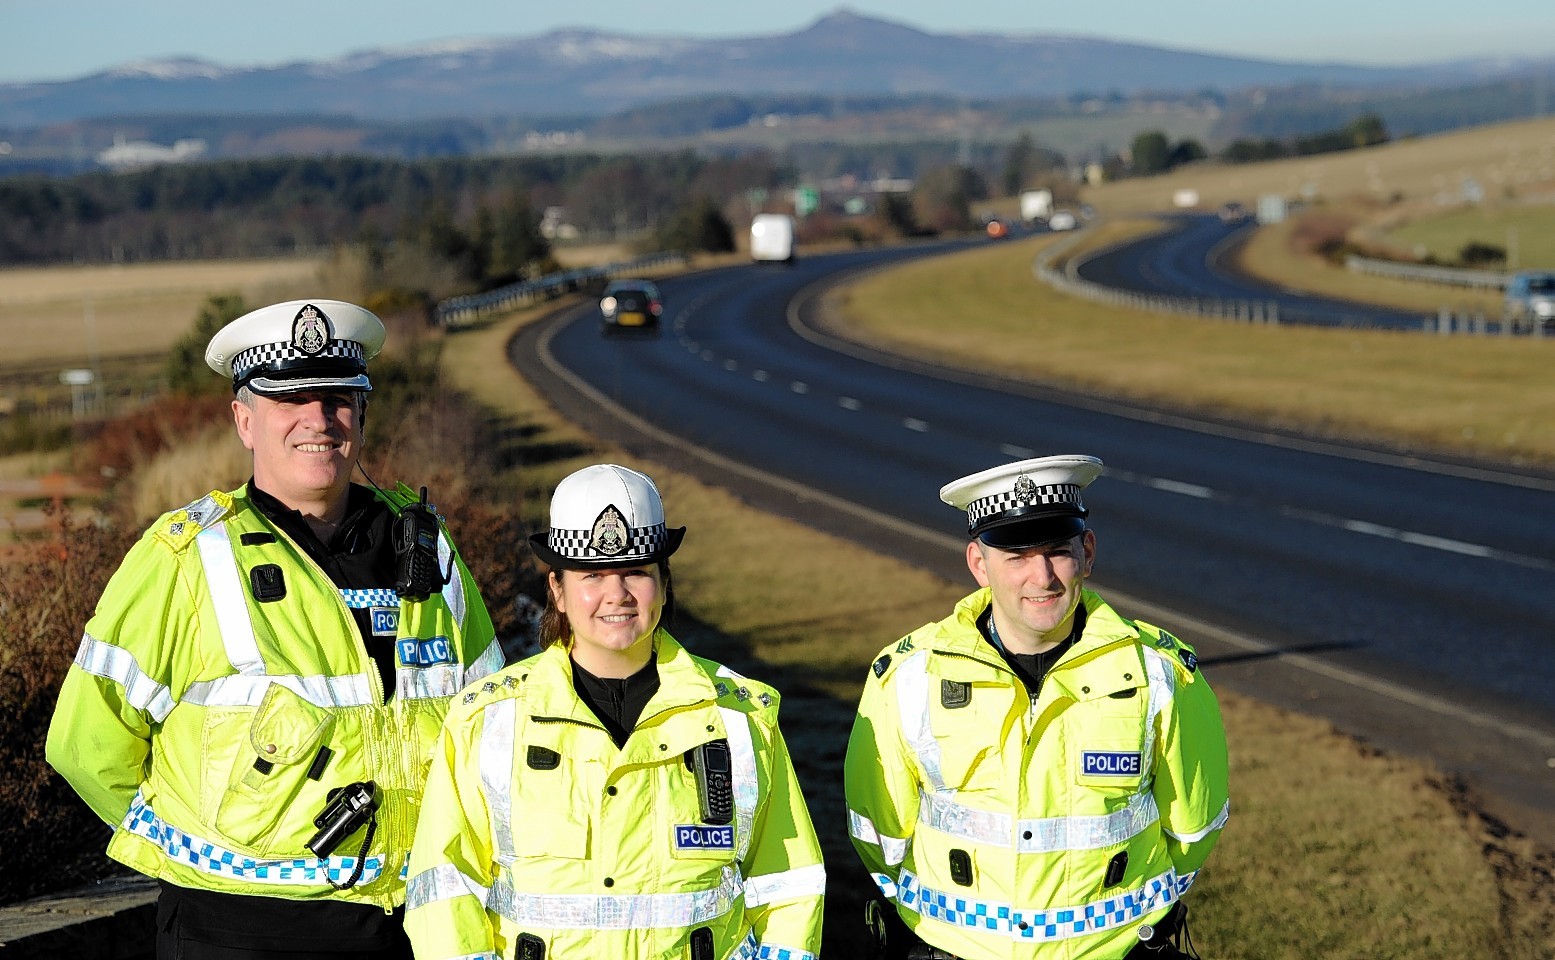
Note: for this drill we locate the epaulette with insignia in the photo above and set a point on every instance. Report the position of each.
(490, 686)
(1181, 655)
(882, 665)
(179, 528)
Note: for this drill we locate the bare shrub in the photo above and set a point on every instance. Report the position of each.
(1323, 234)
(48, 587)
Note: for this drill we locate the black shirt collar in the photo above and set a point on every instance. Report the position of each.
(353, 535)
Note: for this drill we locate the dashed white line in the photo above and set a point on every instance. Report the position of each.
(1019, 453)
(918, 425)
(799, 386)
(848, 403)
(707, 355)
(760, 376)
(731, 365)
(1186, 489)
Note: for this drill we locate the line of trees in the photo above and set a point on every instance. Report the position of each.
(478, 211)
(1153, 152)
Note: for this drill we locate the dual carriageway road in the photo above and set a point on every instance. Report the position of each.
(1407, 599)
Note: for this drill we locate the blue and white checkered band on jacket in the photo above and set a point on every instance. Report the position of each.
(578, 545)
(1024, 495)
(262, 356)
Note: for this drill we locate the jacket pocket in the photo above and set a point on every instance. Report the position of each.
(267, 784)
(554, 836)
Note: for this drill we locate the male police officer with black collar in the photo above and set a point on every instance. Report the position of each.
(253, 704)
(1035, 775)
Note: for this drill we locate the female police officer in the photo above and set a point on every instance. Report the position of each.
(613, 795)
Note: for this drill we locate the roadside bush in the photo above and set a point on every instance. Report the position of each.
(1478, 254)
(48, 587)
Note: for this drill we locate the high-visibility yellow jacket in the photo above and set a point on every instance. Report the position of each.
(208, 727)
(1006, 827)
(538, 831)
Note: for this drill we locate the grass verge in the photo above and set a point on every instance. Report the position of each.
(1474, 396)
(1271, 254)
(1332, 851)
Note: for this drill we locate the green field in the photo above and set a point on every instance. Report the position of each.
(1526, 232)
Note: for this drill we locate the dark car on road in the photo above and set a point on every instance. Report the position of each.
(631, 306)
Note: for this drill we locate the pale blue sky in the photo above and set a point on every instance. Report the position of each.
(61, 39)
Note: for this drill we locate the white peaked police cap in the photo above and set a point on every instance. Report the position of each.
(606, 516)
(1024, 504)
(298, 346)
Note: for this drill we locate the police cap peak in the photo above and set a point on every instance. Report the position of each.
(298, 346)
(1024, 504)
(606, 515)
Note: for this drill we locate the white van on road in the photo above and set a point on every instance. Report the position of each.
(772, 238)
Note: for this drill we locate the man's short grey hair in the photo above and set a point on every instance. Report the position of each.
(245, 396)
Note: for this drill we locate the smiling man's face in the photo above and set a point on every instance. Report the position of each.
(1035, 590)
(305, 445)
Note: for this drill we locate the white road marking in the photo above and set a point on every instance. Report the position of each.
(917, 425)
(848, 403)
(799, 386)
(1019, 453)
(760, 376)
(1186, 489)
(1152, 612)
(731, 365)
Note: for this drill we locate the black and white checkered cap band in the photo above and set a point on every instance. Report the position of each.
(641, 542)
(1054, 494)
(254, 358)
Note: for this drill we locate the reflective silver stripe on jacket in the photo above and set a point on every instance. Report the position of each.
(747, 792)
(490, 661)
(239, 690)
(227, 597)
(453, 590)
(1047, 834)
(1163, 687)
(645, 911)
(496, 765)
(1039, 925)
(1197, 835)
(118, 664)
(892, 849)
(442, 882)
(911, 680)
(785, 885)
(190, 851)
(426, 683)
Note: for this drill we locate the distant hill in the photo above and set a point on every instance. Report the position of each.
(591, 73)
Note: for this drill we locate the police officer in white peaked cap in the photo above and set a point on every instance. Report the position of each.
(1035, 775)
(255, 700)
(614, 795)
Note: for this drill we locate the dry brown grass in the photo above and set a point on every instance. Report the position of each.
(1506, 158)
(1332, 850)
(1485, 396)
(1275, 253)
(65, 314)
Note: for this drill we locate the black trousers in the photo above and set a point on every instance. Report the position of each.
(186, 931)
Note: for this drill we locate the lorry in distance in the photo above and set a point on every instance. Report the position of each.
(772, 238)
(1036, 205)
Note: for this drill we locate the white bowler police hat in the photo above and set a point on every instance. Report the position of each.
(1025, 504)
(297, 346)
(606, 516)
